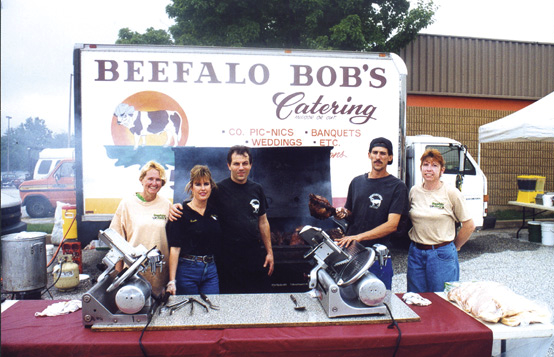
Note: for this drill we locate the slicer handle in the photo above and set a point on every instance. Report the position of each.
(132, 270)
(313, 274)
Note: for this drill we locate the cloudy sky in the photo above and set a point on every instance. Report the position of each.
(38, 38)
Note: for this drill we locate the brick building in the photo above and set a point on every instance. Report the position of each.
(456, 84)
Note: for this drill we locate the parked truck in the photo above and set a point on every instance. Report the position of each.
(53, 181)
(308, 115)
(48, 159)
(40, 196)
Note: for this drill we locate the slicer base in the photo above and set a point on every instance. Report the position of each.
(99, 307)
(336, 305)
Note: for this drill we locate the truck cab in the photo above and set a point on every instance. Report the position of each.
(40, 196)
(49, 159)
(461, 171)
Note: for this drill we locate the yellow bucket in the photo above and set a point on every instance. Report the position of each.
(69, 214)
(529, 186)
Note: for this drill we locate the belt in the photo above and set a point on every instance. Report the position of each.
(428, 247)
(198, 258)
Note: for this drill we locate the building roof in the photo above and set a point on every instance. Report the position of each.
(476, 67)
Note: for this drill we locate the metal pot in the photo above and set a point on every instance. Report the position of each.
(23, 261)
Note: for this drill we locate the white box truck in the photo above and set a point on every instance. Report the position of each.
(308, 115)
(48, 159)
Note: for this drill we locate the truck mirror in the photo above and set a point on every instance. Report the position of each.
(463, 157)
(459, 181)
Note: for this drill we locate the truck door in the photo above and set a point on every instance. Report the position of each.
(462, 172)
(62, 184)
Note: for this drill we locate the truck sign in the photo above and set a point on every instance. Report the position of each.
(136, 103)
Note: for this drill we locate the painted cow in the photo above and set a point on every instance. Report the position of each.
(149, 123)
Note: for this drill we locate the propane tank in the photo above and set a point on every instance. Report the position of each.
(69, 275)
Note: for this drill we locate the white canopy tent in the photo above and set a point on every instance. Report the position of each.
(532, 123)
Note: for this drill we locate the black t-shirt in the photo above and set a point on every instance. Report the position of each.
(371, 201)
(194, 233)
(240, 206)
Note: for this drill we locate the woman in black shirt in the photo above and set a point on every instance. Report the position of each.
(193, 240)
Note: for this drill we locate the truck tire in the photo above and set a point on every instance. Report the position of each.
(38, 207)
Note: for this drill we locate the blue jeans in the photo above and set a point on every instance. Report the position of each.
(384, 273)
(428, 270)
(193, 278)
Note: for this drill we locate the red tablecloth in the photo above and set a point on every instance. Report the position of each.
(444, 330)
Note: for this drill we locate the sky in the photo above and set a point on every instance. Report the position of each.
(38, 37)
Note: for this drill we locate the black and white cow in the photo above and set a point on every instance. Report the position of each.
(149, 123)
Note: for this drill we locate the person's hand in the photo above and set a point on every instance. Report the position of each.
(346, 241)
(269, 263)
(341, 213)
(175, 211)
(119, 266)
(171, 287)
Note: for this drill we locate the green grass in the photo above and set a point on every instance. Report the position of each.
(40, 227)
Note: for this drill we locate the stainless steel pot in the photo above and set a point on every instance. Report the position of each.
(23, 261)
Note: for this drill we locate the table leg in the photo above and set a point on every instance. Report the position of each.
(522, 223)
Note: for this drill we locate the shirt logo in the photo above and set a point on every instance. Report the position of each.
(214, 217)
(438, 205)
(255, 205)
(158, 216)
(375, 200)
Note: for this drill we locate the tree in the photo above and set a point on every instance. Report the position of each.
(61, 140)
(151, 36)
(26, 141)
(360, 25)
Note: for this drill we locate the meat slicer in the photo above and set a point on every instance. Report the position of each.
(123, 298)
(344, 285)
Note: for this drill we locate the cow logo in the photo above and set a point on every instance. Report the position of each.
(255, 205)
(149, 118)
(375, 200)
(142, 123)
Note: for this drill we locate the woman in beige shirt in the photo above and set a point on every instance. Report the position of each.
(141, 219)
(435, 208)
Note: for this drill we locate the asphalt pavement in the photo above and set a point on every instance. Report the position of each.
(14, 192)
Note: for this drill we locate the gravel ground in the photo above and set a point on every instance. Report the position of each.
(525, 267)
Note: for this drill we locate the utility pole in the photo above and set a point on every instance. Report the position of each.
(69, 120)
(9, 118)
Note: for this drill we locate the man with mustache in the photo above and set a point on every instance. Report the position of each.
(377, 202)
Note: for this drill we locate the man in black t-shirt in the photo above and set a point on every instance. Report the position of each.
(377, 202)
(242, 205)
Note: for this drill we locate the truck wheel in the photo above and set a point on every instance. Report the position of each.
(38, 207)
